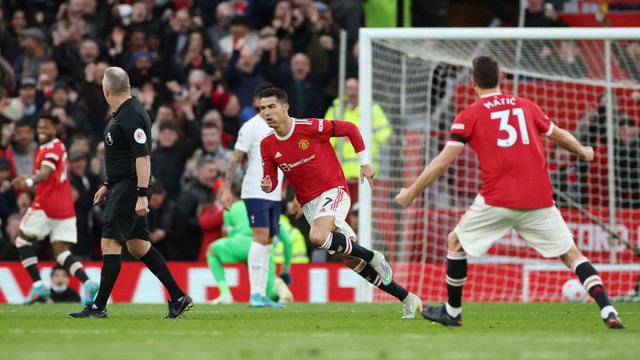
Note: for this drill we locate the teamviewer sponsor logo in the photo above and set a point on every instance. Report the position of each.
(288, 167)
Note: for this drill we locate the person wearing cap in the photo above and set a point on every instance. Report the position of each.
(51, 213)
(27, 94)
(34, 43)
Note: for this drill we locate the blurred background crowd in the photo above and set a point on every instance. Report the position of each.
(194, 64)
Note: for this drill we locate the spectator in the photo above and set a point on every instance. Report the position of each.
(7, 76)
(7, 193)
(629, 58)
(60, 290)
(11, 41)
(627, 164)
(83, 187)
(536, 15)
(34, 43)
(381, 133)
(27, 96)
(305, 88)
(196, 194)
(92, 103)
(8, 250)
(224, 14)
(178, 34)
(562, 59)
(47, 79)
(429, 13)
(143, 69)
(197, 55)
(564, 176)
(211, 148)
(169, 158)
(24, 147)
(592, 130)
(162, 223)
(239, 31)
(242, 76)
(210, 218)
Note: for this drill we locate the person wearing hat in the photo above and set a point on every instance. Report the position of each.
(27, 95)
(34, 43)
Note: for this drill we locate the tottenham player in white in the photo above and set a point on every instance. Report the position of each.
(263, 208)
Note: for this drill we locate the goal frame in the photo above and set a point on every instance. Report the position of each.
(368, 35)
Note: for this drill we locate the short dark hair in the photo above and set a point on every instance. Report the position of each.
(262, 86)
(276, 92)
(24, 123)
(210, 125)
(48, 116)
(486, 72)
(239, 20)
(60, 267)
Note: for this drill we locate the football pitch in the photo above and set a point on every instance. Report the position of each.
(311, 331)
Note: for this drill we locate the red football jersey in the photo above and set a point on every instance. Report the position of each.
(53, 195)
(504, 132)
(306, 158)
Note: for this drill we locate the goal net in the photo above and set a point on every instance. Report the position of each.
(584, 81)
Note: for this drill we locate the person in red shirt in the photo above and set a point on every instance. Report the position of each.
(301, 149)
(52, 212)
(516, 192)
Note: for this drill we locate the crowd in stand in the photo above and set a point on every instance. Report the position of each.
(194, 64)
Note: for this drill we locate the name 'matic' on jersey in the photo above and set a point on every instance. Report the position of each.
(306, 158)
(126, 137)
(53, 195)
(504, 132)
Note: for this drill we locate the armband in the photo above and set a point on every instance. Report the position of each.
(29, 182)
(142, 191)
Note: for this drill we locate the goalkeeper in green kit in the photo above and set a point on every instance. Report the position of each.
(234, 248)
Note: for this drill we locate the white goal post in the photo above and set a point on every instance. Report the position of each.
(420, 78)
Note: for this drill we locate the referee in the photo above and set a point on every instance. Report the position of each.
(127, 146)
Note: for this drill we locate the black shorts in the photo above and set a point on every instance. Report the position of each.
(120, 219)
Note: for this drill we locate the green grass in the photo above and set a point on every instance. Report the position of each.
(305, 331)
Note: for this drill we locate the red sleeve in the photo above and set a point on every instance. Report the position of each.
(540, 119)
(211, 218)
(461, 128)
(269, 167)
(345, 128)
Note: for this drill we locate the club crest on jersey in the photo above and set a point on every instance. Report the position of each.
(303, 144)
(139, 136)
(109, 139)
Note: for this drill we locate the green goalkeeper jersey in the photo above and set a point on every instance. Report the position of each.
(236, 220)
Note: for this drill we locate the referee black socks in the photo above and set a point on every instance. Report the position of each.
(158, 266)
(110, 269)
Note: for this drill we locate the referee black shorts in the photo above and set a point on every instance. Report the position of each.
(120, 219)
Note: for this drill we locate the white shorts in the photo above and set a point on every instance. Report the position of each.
(335, 202)
(36, 225)
(482, 225)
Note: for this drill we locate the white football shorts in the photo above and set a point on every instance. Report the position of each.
(36, 225)
(335, 202)
(482, 225)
